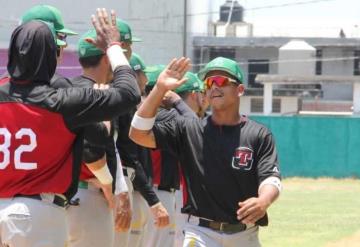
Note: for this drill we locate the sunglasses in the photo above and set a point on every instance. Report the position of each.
(220, 81)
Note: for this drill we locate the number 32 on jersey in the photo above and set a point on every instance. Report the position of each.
(5, 149)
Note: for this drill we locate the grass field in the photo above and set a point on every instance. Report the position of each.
(315, 213)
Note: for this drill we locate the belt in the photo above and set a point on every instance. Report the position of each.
(222, 226)
(60, 201)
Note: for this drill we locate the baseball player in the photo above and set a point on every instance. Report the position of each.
(38, 178)
(91, 223)
(229, 162)
(166, 176)
(137, 160)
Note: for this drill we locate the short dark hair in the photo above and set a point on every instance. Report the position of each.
(148, 89)
(184, 95)
(88, 62)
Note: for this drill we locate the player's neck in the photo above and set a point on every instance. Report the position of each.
(227, 117)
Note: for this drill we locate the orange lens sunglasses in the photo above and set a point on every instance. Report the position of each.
(219, 81)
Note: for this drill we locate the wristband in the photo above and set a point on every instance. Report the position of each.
(116, 56)
(141, 123)
(275, 181)
(103, 174)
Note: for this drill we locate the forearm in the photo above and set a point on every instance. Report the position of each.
(268, 194)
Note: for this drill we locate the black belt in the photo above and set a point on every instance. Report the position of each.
(222, 226)
(58, 200)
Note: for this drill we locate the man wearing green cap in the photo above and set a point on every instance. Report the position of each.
(126, 37)
(138, 159)
(35, 190)
(166, 173)
(91, 223)
(192, 92)
(50, 14)
(229, 162)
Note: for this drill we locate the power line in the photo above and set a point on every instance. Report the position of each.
(217, 12)
(329, 59)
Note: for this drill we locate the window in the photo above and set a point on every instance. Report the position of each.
(257, 66)
(318, 64)
(357, 62)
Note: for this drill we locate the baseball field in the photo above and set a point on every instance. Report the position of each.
(315, 213)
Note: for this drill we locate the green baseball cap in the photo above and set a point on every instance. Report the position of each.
(125, 31)
(52, 29)
(223, 64)
(49, 14)
(136, 62)
(152, 73)
(193, 84)
(85, 49)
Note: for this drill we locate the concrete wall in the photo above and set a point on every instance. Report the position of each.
(159, 23)
(339, 67)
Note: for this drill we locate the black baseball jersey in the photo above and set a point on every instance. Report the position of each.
(222, 165)
(166, 174)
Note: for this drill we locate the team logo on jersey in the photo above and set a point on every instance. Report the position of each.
(243, 158)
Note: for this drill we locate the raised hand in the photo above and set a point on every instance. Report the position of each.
(106, 30)
(173, 75)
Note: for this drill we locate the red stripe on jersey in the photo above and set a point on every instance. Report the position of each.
(156, 165)
(35, 151)
(85, 173)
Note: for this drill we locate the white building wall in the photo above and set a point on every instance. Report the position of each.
(337, 67)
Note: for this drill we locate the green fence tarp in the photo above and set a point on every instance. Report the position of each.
(316, 146)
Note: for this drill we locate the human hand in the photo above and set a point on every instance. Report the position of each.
(169, 99)
(123, 212)
(106, 31)
(160, 214)
(172, 76)
(251, 210)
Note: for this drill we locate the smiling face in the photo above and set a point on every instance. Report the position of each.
(223, 97)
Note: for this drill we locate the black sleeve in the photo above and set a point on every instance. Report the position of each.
(58, 81)
(97, 134)
(143, 184)
(168, 134)
(92, 152)
(183, 109)
(266, 155)
(82, 106)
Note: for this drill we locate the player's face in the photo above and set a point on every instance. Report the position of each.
(222, 91)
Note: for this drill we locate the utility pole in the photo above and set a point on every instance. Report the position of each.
(185, 28)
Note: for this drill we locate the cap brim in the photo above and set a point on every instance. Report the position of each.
(134, 39)
(150, 69)
(66, 31)
(60, 42)
(202, 74)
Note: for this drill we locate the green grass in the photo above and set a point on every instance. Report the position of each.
(313, 213)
